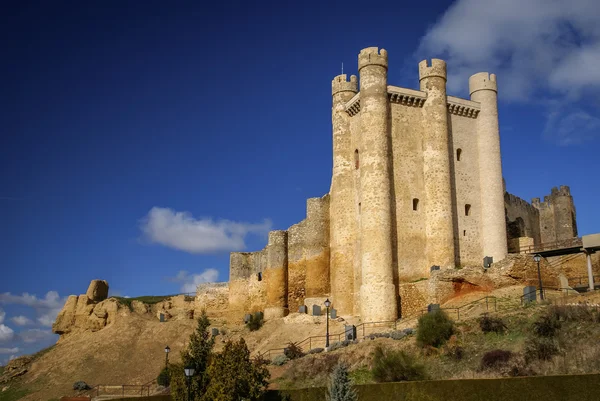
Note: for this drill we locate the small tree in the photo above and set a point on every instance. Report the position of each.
(340, 387)
(235, 376)
(196, 355)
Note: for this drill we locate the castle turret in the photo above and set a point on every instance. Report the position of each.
(342, 219)
(483, 89)
(436, 162)
(378, 295)
(276, 275)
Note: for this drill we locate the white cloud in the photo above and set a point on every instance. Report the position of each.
(6, 333)
(191, 282)
(531, 45)
(47, 308)
(9, 350)
(2, 315)
(571, 126)
(21, 320)
(35, 335)
(180, 230)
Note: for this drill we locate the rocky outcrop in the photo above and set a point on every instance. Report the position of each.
(15, 368)
(97, 291)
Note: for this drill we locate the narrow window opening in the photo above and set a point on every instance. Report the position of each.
(359, 208)
(467, 210)
(415, 204)
(259, 276)
(464, 232)
(458, 153)
(356, 161)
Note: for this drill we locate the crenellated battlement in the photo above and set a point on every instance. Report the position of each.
(555, 192)
(482, 81)
(433, 68)
(519, 202)
(372, 56)
(341, 84)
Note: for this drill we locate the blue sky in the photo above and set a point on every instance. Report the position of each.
(143, 143)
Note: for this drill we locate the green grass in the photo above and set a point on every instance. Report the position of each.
(361, 376)
(42, 352)
(146, 299)
(13, 394)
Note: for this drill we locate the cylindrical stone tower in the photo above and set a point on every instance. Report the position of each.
(436, 165)
(484, 89)
(378, 295)
(276, 275)
(341, 210)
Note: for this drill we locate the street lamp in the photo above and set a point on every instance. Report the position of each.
(189, 372)
(167, 350)
(537, 258)
(327, 305)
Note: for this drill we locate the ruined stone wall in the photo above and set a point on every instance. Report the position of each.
(247, 289)
(308, 254)
(522, 218)
(213, 298)
(409, 187)
(466, 189)
(557, 215)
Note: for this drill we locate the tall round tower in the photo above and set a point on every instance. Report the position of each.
(378, 299)
(341, 210)
(276, 275)
(436, 165)
(484, 89)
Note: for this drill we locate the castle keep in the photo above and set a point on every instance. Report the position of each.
(416, 182)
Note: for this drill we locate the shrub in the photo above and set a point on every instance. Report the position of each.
(393, 366)
(543, 348)
(316, 351)
(293, 351)
(490, 324)
(255, 322)
(81, 386)
(546, 325)
(163, 378)
(397, 335)
(455, 352)
(340, 388)
(336, 345)
(495, 359)
(373, 336)
(434, 329)
(280, 360)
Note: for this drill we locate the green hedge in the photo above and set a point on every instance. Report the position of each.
(541, 388)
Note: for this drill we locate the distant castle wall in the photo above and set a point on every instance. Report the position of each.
(557, 215)
(522, 219)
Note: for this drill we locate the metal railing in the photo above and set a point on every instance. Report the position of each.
(549, 246)
(132, 390)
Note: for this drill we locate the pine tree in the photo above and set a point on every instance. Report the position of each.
(197, 355)
(340, 388)
(234, 376)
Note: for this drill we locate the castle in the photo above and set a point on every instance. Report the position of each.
(416, 182)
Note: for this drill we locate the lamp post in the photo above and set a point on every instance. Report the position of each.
(327, 305)
(167, 350)
(189, 372)
(537, 258)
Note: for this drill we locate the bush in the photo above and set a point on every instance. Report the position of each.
(434, 329)
(163, 378)
(293, 351)
(373, 336)
(81, 386)
(495, 359)
(574, 313)
(316, 351)
(543, 349)
(397, 335)
(255, 322)
(546, 325)
(455, 352)
(280, 360)
(394, 366)
(340, 388)
(490, 324)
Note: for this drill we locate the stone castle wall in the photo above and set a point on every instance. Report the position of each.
(522, 218)
(557, 215)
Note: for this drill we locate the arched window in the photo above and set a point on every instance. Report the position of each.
(458, 153)
(356, 162)
(467, 209)
(415, 204)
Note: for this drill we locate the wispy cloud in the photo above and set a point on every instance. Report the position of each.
(46, 308)
(35, 336)
(2, 315)
(9, 350)
(540, 50)
(189, 282)
(180, 230)
(21, 320)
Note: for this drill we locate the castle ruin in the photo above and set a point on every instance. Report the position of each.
(416, 182)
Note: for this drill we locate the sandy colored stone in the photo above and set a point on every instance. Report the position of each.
(97, 291)
(66, 316)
